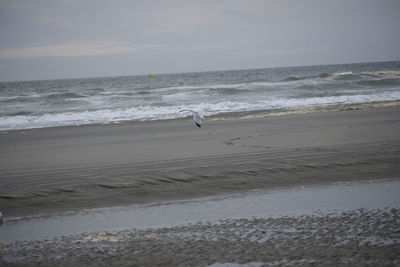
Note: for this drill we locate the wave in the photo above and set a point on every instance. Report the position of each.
(226, 91)
(389, 82)
(19, 113)
(384, 74)
(346, 75)
(107, 100)
(324, 75)
(292, 78)
(97, 89)
(300, 78)
(343, 73)
(201, 93)
(16, 99)
(64, 95)
(180, 96)
(152, 112)
(386, 77)
(41, 97)
(292, 81)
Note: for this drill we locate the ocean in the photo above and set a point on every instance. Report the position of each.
(53, 103)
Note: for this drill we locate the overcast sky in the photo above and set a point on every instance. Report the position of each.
(46, 39)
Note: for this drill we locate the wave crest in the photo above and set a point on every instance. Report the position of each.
(150, 112)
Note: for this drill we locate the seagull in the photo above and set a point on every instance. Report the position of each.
(197, 117)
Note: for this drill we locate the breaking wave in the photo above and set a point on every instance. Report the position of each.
(38, 104)
(105, 116)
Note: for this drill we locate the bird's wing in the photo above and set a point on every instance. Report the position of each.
(187, 110)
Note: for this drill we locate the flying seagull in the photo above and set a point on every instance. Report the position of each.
(197, 117)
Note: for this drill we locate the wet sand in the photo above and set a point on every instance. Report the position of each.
(361, 237)
(260, 203)
(70, 168)
(336, 225)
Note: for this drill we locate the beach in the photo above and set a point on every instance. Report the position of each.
(360, 237)
(52, 171)
(199, 133)
(69, 168)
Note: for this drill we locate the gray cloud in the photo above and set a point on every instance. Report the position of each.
(95, 38)
(70, 50)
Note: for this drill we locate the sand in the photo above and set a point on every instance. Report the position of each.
(267, 203)
(360, 237)
(343, 224)
(68, 169)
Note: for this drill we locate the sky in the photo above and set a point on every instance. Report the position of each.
(49, 39)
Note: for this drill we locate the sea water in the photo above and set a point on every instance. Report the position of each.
(52, 103)
(331, 199)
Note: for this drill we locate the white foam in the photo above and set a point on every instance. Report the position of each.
(110, 115)
(343, 73)
(181, 96)
(382, 74)
(222, 86)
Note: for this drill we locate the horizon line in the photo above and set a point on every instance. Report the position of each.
(202, 71)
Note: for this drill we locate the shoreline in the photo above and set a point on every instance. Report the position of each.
(349, 224)
(267, 203)
(90, 166)
(308, 240)
(237, 115)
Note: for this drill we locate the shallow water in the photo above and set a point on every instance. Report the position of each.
(262, 204)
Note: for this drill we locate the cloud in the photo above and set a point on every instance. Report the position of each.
(70, 50)
(176, 16)
(273, 52)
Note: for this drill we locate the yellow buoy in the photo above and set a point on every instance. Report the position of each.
(150, 77)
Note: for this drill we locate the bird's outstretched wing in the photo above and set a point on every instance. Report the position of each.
(197, 117)
(187, 110)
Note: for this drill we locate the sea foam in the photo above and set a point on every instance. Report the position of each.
(38, 104)
(105, 116)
